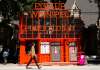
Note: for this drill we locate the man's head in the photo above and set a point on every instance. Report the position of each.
(33, 44)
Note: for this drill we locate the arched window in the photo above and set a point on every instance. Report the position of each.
(53, 21)
(42, 21)
(47, 21)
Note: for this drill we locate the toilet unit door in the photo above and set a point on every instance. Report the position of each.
(55, 53)
(72, 51)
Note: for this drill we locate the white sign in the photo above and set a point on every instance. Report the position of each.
(45, 48)
(45, 43)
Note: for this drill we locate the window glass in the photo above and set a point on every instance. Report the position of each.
(41, 21)
(24, 19)
(53, 21)
(59, 21)
(47, 21)
(35, 21)
(29, 20)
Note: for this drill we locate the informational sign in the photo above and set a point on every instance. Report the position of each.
(45, 48)
(55, 44)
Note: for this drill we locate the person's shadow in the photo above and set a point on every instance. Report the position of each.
(32, 68)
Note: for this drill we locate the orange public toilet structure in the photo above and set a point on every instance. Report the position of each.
(55, 32)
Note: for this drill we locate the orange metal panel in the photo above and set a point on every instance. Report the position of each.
(22, 54)
(44, 58)
(66, 53)
(62, 53)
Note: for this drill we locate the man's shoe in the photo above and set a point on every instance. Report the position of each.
(28, 67)
(39, 67)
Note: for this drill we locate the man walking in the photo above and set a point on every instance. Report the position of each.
(33, 56)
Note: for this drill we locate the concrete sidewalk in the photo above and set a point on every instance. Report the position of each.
(54, 67)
